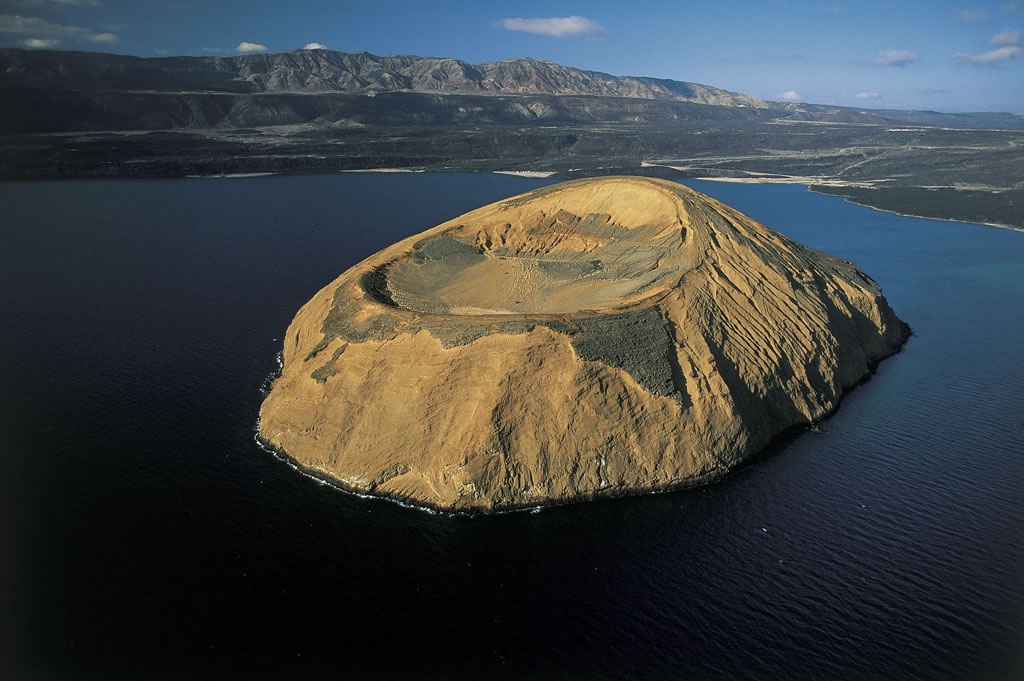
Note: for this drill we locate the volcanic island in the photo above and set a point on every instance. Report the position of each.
(595, 338)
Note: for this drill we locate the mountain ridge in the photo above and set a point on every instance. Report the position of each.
(325, 71)
(25, 73)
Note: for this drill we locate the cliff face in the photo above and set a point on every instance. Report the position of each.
(595, 338)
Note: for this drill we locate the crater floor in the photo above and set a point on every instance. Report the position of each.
(586, 251)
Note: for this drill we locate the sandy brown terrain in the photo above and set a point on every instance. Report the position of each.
(594, 338)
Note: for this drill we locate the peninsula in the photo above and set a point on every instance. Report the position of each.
(595, 338)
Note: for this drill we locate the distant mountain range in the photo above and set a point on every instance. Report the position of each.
(86, 114)
(324, 71)
(53, 91)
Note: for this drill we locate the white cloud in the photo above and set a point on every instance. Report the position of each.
(1011, 7)
(790, 96)
(19, 25)
(994, 57)
(895, 58)
(51, 3)
(40, 43)
(315, 46)
(1007, 38)
(972, 16)
(868, 95)
(44, 32)
(104, 38)
(556, 27)
(246, 47)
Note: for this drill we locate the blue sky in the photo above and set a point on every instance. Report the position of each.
(925, 54)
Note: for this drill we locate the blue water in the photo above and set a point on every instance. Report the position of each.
(150, 538)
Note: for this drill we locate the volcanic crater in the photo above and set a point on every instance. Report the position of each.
(593, 338)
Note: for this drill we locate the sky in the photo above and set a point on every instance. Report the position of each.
(944, 55)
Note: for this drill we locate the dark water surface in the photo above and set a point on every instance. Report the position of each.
(150, 538)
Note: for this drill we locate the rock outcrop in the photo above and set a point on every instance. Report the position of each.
(594, 338)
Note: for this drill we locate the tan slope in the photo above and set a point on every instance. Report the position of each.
(597, 337)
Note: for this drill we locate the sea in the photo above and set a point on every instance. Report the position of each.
(147, 536)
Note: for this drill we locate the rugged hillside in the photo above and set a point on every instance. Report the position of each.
(323, 71)
(594, 338)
